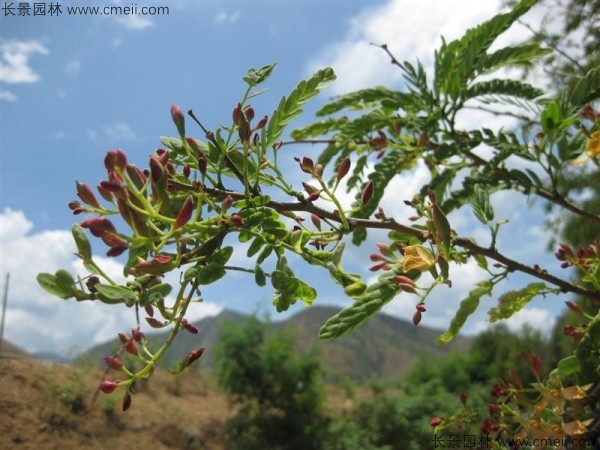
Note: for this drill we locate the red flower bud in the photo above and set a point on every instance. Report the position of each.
(104, 194)
(316, 221)
(111, 186)
(494, 408)
(435, 422)
(379, 266)
(416, 318)
(108, 386)
(574, 307)
(190, 327)
(421, 307)
(86, 195)
(376, 257)
(137, 334)
(117, 250)
(156, 170)
(237, 220)
(76, 207)
(149, 310)
(99, 226)
(126, 401)
(156, 266)
(261, 123)
(185, 213)
(401, 279)
(367, 193)
(202, 163)
(249, 113)
(178, 120)
(191, 357)
(343, 169)
(237, 112)
(308, 188)
(154, 323)
(227, 202)
(186, 170)
(313, 196)
(306, 164)
(113, 362)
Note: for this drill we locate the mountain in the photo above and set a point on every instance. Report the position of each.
(383, 347)
(9, 348)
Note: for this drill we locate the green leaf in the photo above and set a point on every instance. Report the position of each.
(512, 88)
(586, 89)
(482, 208)
(290, 107)
(365, 307)
(319, 128)
(550, 117)
(356, 98)
(207, 274)
(155, 294)
(48, 282)
(259, 276)
(221, 256)
(513, 301)
(116, 294)
(442, 230)
(84, 248)
(467, 307)
(65, 282)
(568, 366)
(518, 55)
(256, 77)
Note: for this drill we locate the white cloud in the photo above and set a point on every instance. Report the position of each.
(119, 131)
(134, 22)
(411, 30)
(38, 321)
(224, 17)
(8, 96)
(14, 62)
(73, 67)
(59, 135)
(537, 318)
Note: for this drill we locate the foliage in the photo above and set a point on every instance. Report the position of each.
(183, 211)
(279, 392)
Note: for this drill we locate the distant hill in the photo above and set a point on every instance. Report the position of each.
(383, 347)
(9, 348)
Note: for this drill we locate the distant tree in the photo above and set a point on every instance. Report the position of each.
(279, 392)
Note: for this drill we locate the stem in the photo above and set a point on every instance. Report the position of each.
(391, 224)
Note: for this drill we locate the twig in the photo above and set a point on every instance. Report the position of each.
(390, 224)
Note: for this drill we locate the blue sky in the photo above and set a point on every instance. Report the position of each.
(73, 87)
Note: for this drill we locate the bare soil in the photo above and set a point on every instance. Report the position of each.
(49, 406)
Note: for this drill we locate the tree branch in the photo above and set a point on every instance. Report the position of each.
(391, 224)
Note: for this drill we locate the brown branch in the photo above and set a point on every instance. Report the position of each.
(391, 224)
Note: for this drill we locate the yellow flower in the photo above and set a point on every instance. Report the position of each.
(592, 148)
(416, 257)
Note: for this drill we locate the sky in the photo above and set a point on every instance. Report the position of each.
(73, 86)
